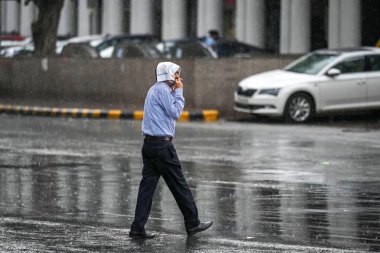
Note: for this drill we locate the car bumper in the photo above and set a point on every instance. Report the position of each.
(264, 105)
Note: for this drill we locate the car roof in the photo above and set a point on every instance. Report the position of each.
(347, 50)
(86, 38)
(191, 40)
(135, 36)
(129, 42)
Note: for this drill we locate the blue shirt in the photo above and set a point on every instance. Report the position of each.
(162, 108)
(209, 41)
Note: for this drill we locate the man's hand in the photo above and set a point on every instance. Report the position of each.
(178, 83)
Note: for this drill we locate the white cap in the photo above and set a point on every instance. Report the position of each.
(166, 70)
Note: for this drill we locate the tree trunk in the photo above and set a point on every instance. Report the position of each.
(45, 28)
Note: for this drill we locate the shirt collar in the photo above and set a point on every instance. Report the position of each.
(165, 85)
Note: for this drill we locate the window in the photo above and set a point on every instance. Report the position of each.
(374, 62)
(193, 50)
(311, 63)
(351, 65)
(133, 52)
(183, 50)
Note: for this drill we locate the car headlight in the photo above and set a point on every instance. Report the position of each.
(273, 92)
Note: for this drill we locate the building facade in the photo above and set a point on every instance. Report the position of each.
(284, 26)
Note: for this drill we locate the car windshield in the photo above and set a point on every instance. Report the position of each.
(311, 63)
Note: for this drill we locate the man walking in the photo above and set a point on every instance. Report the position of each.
(163, 106)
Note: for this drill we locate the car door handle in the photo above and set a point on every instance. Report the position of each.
(361, 82)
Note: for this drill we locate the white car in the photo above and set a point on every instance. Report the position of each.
(322, 81)
(92, 40)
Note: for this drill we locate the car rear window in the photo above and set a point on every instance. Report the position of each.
(351, 65)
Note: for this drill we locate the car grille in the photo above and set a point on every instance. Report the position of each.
(251, 107)
(246, 93)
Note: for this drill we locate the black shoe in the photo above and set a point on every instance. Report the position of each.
(201, 227)
(141, 235)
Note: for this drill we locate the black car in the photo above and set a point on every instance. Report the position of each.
(128, 49)
(103, 49)
(106, 47)
(79, 50)
(234, 48)
(178, 49)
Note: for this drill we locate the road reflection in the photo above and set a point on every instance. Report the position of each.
(287, 189)
(104, 190)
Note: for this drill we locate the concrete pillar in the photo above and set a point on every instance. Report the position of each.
(27, 15)
(255, 18)
(295, 26)
(334, 24)
(250, 22)
(351, 23)
(112, 21)
(66, 21)
(209, 16)
(2, 11)
(344, 23)
(141, 17)
(83, 18)
(285, 27)
(301, 26)
(174, 19)
(240, 20)
(10, 16)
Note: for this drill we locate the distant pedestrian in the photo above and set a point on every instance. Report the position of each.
(163, 106)
(212, 39)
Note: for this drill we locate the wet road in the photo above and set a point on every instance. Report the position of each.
(71, 185)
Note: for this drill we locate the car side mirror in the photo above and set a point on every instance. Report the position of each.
(333, 72)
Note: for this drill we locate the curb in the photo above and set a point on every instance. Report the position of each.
(204, 115)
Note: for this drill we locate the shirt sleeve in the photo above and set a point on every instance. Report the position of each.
(173, 104)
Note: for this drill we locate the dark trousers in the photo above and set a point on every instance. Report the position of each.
(160, 159)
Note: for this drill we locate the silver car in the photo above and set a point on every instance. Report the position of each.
(322, 81)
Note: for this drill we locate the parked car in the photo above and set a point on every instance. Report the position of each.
(15, 45)
(234, 48)
(103, 45)
(135, 50)
(79, 50)
(178, 49)
(106, 47)
(16, 51)
(92, 40)
(323, 81)
(10, 40)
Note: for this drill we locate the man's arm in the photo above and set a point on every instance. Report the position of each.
(173, 106)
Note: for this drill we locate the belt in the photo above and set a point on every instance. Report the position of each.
(158, 138)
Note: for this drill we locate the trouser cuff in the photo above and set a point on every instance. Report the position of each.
(192, 224)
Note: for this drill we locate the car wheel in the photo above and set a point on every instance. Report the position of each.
(299, 108)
